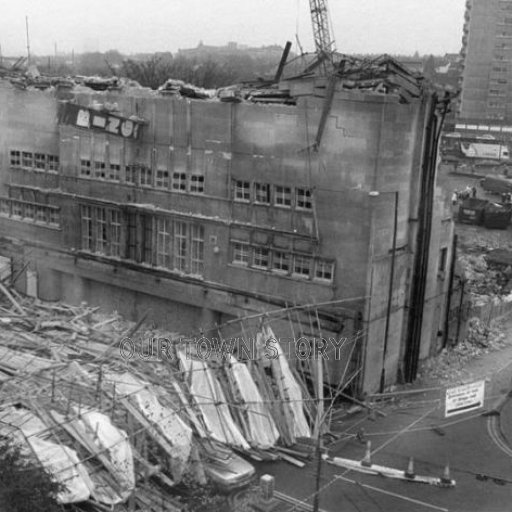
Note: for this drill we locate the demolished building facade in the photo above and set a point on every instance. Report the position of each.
(201, 211)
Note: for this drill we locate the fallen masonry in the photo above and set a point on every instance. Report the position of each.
(124, 432)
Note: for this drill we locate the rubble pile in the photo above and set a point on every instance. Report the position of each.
(449, 364)
(126, 428)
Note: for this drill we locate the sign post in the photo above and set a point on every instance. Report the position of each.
(465, 398)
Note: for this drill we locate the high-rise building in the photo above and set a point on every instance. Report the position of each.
(487, 62)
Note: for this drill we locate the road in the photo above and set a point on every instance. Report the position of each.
(475, 446)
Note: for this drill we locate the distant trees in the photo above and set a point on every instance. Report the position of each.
(209, 68)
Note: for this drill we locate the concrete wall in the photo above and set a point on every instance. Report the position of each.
(367, 166)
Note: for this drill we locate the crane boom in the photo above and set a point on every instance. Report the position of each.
(324, 44)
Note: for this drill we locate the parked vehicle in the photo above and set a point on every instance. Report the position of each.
(496, 184)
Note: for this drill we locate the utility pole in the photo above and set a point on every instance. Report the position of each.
(318, 425)
(28, 42)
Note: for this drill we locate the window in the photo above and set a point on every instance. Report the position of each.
(15, 158)
(443, 256)
(40, 161)
(17, 209)
(29, 211)
(196, 249)
(242, 190)
(283, 196)
(41, 213)
(303, 199)
(180, 246)
(301, 266)
(53, 163)
(131, 174)
(262, 193)
(179, 181)
(146, 176)
(54, 216)
(324, 270)
(163, 242)
(240, 253)
(281, 261)
(27, 160)
(115, 233)
(99, 170)
(5, 207)
(260, 257)
(86, 218)
(101, 230)
(85, 168)
(114, 172)
(162, 178)
(197, 183)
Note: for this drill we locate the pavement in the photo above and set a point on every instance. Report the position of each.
(477, 446)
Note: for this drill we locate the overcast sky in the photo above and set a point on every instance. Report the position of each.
(360, 26)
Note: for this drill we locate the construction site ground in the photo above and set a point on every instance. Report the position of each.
(410, 422)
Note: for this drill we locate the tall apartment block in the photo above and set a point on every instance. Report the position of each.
(487, 62)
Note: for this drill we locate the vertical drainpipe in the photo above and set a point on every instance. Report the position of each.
(420, 271)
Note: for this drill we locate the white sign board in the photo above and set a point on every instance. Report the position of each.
(464, 398)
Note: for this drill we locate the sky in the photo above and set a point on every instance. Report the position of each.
(132, 26)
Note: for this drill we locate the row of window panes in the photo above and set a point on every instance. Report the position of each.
(143, 176)
(35, 161)
(101, 230)
(264, 193)
(33, 212)
(168, 243)
(264, 258)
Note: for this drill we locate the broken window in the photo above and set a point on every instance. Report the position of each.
(301, 266)
(146, 176)
(114, 172)
(15, 158)
(40, 161)
(27, 160)
(262, 193)
(242, 190)
(197, 183)
(324, 270)
(162, 178)
(196, 249)
(240, 253)
(280, 261)
(53, 163)
(85, 168)
(283, 196)
(99, 170)
(260, 257)
(131, 174)
(179, 181)
(303, 199)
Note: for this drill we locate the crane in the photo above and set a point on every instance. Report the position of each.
(324, 43)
